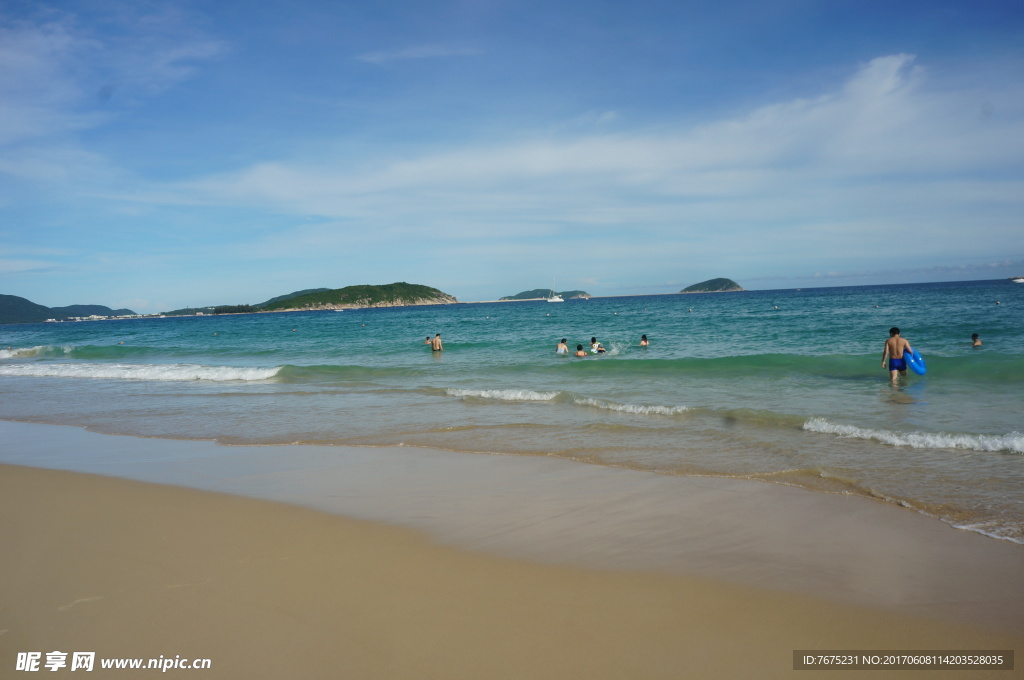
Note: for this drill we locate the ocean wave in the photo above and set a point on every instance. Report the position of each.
(503, 395)
(640, 409)
(93, 352)
(140, 371)
(1013, 442)
(34, 352)
(992, 529)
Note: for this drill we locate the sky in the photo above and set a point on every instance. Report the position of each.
(158, 155)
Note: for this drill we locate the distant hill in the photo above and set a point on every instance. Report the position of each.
(218, 309)
(14, 309)
(714, 286)
(86, 310)
(289, 296)
(546, 293)
(389, 295)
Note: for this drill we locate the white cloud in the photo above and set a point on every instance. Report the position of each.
(797, 159)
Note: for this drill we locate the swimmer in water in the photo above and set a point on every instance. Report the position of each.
(643, 341)
(579, 351)
(975, 340)
(895, 348)
(562, 348)
(435, 344)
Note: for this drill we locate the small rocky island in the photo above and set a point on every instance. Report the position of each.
(538, 293)
(714, 286)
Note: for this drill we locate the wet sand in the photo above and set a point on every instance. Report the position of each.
(517, 567)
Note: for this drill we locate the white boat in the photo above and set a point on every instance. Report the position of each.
(1018, 279)
(555, 297)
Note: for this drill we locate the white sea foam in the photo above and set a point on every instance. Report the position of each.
(504, 395)
(140, 371)
(1013, 441)
(992, 530)
(642, 409)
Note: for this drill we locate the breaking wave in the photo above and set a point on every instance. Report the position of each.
(503, 395)
(641, 409)
(33, 352)
(140, 371)
(1013, 442)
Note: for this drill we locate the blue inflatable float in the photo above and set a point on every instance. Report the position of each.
(914, 362)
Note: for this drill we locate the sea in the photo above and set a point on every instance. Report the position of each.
(777, 386)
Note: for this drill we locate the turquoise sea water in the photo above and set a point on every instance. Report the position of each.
(783, 386)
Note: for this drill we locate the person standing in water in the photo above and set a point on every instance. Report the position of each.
(562, 348)
(579, 351)
(975, 340)
(435, 344)
(892, 354)
(643, 341)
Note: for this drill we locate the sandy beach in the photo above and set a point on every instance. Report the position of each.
(130, 569)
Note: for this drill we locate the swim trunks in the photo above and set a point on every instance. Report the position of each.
(897, 364)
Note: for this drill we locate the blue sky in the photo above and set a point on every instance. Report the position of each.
(155, 155)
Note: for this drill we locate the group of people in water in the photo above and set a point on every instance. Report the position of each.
(893, 354)
(595, 347)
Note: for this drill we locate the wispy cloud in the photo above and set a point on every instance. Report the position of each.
(417, 52)
(883, 147)
(54, 73)
(10, 266)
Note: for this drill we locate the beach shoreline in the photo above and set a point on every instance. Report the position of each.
(850, 551)
(128, 570)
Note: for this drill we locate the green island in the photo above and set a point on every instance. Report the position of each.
(350, 297)
(714, 286)
(538, 293)
(390, 295)
(289, 296)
